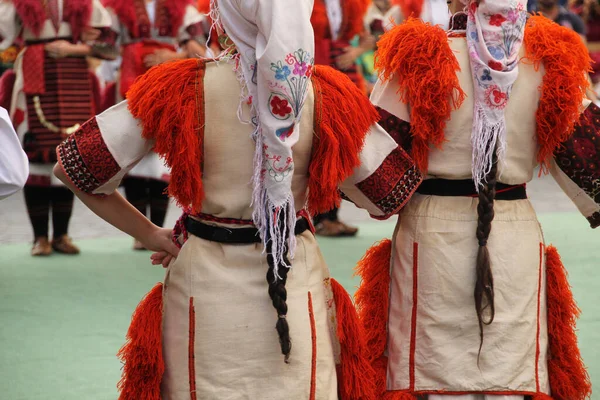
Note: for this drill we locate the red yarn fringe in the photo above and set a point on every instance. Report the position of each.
(142, 353)
(542, 396)
(356, 374)
(569, 379)
(566, 61)
(353, 12)
(410, 8)
(126, 12)
(419, 56)
(169, 102)
(78, 14)
(399, 395)
(372, 303)
(33, 14)
(343, 116)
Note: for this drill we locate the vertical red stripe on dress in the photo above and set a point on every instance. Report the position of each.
(537, 338)
(313, 335)
(413, 329)
(191, 356)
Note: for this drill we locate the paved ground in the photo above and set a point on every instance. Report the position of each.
(15, 228)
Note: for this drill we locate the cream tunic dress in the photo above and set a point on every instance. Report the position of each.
(433, 334)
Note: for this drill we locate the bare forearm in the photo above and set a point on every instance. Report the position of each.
(113, 208)
(195, 49)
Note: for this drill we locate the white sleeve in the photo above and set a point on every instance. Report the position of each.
(9, 24)
(14, 167)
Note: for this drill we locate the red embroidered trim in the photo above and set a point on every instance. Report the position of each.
(191, 355)
(392, 184)
(413, 329)
(579, 156)
(537, 337)
(133, 14)
(85, 158)
(33, 14)
(313, 336)
(397, 128)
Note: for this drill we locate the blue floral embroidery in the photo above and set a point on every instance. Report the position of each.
(497, 52)
(281, 71)
(288, 93)
(487, 76)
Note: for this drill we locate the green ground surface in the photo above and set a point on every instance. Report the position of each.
(64, 318)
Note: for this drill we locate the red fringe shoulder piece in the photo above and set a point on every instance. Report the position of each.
(142, 353)
(352, 23)
(569, 379)
(566, 61)
(33, 14)
(356, 374)
(418, 55)
(127, 14)
(372, 304)
(343, 116)
(169, 102)
(78, 14)
(410, 8)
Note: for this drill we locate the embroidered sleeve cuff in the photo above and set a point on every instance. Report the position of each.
(85, 158)
(391, 186)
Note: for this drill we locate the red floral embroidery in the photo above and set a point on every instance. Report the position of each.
(86, 159)
(280, 107)
(495, 65)
(497, 20)
(391, 186)
(495, 97)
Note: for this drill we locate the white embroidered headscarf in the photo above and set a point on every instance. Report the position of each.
(495, 31)
(275, 44)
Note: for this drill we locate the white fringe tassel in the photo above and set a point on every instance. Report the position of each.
(485, 137)
(266, 215)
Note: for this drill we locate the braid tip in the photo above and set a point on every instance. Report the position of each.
(286, 359)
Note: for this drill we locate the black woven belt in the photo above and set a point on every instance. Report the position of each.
(466, 188)
(49, 40)
(232, 235)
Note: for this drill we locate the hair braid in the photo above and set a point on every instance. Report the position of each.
(484, 285)
(278, 294)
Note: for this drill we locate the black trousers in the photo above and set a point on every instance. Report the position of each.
(39, 201)
(148, 195)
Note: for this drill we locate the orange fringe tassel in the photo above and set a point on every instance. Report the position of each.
(343, 116)
(542, 396)
(410, 8)
(356, 374)
(142, 353)
(169, 102)
(398, 395)
(372, 303)
(569, 379)
(418, 55)
(566, 61)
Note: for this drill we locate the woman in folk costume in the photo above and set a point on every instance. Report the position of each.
(151, 32)
(336, 23)
(474, 304)
(252, 141)
(51, 95)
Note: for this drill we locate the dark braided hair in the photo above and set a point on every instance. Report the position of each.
(484, 285)
(278, 295)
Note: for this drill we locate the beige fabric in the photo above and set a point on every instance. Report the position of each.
(236, 347)
(453, 160)
(447, 334)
